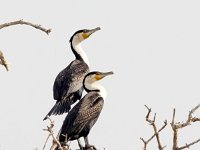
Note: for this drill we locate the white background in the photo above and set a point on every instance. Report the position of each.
(152, 47)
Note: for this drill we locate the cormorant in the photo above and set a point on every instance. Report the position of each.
(68, 87)
(85, 113)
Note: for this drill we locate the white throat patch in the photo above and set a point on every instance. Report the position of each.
(76, 43)
(96, 86)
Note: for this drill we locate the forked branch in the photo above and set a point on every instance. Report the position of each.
(156, 132)
(177, 125)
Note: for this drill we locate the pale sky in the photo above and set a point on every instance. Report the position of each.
(152, 47)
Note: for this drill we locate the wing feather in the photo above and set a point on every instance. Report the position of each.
(83, 115)
(69, 79)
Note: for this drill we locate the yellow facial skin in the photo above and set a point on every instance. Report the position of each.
(98, 77)
(85, 35)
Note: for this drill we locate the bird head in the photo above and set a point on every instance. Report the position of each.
(83, 34)
(93, 77)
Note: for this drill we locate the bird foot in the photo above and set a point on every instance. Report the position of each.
(81, 147)
(65, 146)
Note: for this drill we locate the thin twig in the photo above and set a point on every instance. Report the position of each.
(188, 145)
(46, 142)
(189, 119)
(37, 26)
(165, 123)
(156, 132)
(175, 126)
(51, 133)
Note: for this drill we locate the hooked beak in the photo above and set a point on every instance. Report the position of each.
(90, 32)
(107, 73)
(103, 74)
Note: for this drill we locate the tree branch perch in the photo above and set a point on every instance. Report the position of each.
(51, 133)
(37, 26)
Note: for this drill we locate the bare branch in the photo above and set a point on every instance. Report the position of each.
(145, 143)
(46, 142)
(189, 120)
(3, 61)
(175, 130)
(149, 111)
(188, 145)
(37, 26)
(178, 125)
(51, 133)
(173, 118)
(156, 132)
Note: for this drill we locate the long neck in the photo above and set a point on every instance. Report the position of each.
(79, 52)
(96, 87)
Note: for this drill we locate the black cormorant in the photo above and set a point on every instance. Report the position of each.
(68, 88)
(85, 113)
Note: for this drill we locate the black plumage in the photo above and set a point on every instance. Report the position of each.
(82, 117)
(85, 113)
(68, 88)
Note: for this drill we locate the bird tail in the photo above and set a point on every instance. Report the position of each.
(58, 109)
(64, 105)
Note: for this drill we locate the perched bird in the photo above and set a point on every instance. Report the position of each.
(3, 61)
(68, 87)
(85, 113)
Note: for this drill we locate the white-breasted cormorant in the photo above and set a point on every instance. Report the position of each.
(85, 113)
(68, 87)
